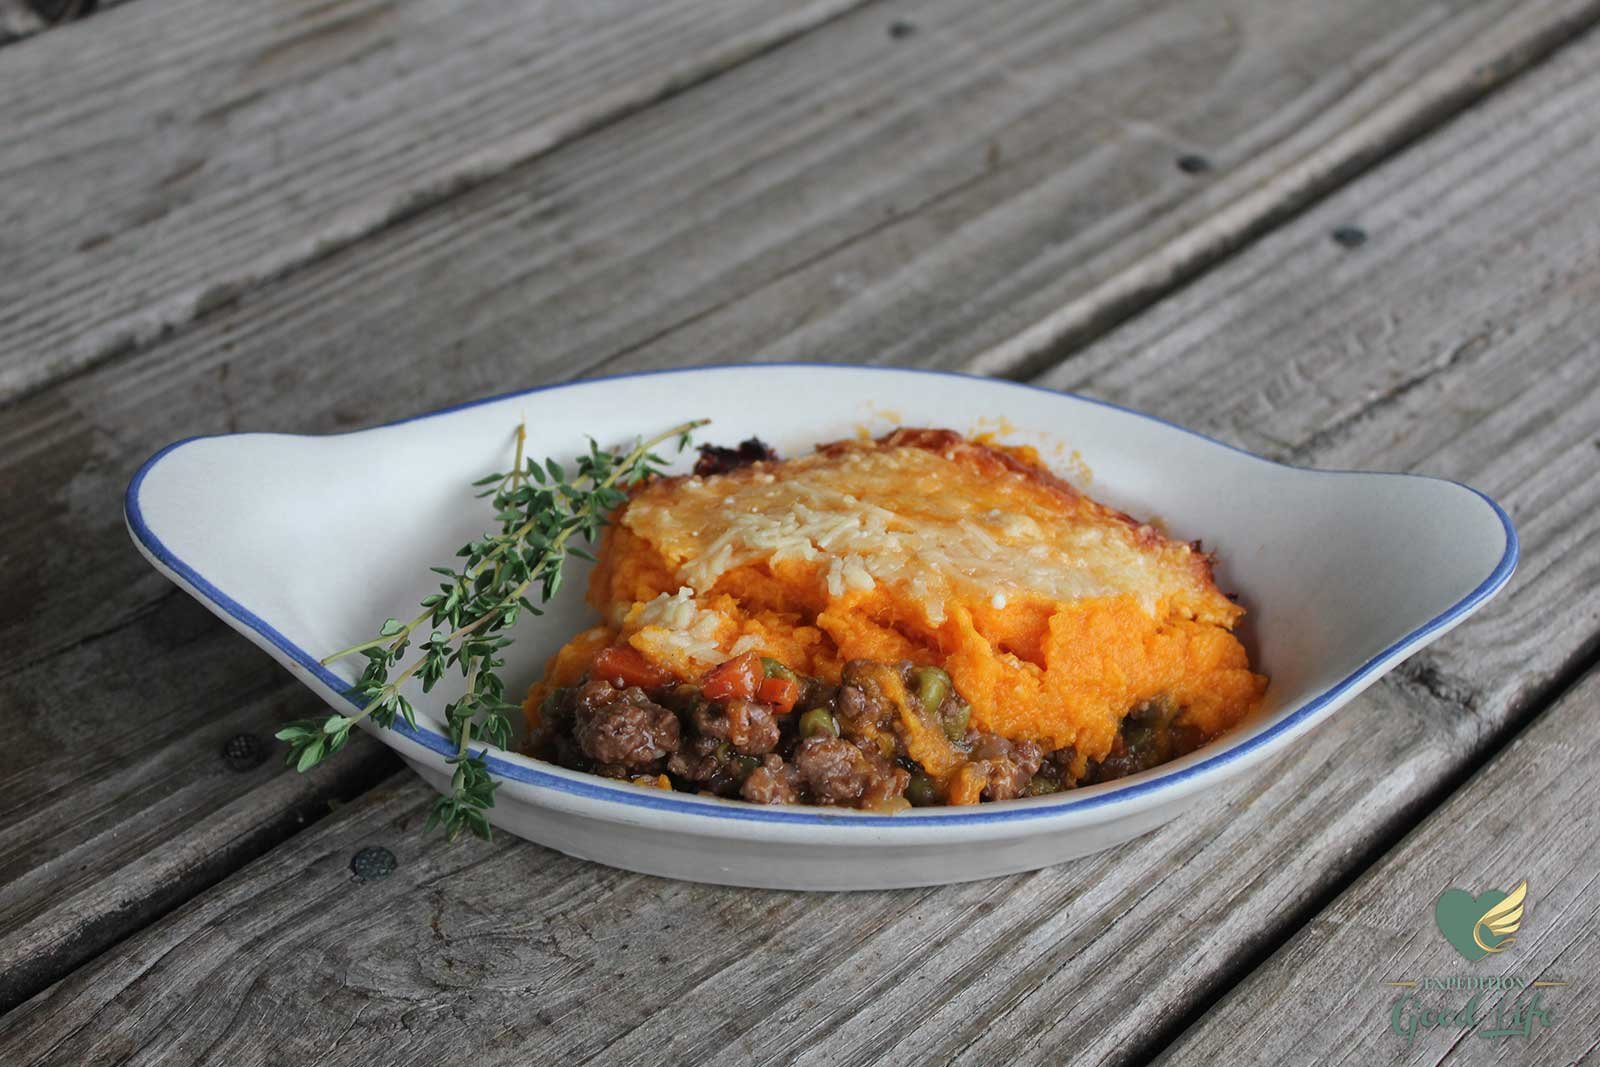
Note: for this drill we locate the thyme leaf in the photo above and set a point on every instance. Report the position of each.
(544, 516)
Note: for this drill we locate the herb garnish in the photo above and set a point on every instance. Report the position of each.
(540, 512)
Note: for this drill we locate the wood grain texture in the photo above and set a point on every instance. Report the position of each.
(1018, 155)
(553, 271)
(679, 234)
(116, 796)
(164, 156)
(1457, 341)
(511, 949)
(1533, 813)
(114, 799)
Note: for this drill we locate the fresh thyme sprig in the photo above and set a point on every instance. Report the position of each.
(541, 514)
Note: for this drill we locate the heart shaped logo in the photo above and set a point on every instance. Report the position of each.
(1478, 925)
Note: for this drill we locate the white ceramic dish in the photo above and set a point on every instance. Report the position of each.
(304, 544)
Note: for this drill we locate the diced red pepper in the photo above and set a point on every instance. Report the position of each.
(781, 693)
(735, 679)
(625, 664)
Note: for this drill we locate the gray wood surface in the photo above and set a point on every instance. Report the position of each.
(1533, 813)
(167, 155)
(116, 797)
(869, 195)
(1018, 154)
(504, 947)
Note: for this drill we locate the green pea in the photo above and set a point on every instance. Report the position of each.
(773, 669)
(921, 791)
(1042, 785)
(955, 723)
(818, 722)
(747, 763)
(1142, 743)
(932, 686)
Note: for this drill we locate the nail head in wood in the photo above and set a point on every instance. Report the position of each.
(1350, 236)
(243, 751)
(373, 864)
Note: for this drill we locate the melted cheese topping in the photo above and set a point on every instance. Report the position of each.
(937, 525)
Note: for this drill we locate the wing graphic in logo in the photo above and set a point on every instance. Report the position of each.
(1500, 922)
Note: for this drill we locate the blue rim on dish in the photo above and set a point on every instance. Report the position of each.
(601, 789)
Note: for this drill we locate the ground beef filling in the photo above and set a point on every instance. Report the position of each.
(889, 736)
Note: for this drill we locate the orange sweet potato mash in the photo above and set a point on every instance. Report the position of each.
(1053, 614)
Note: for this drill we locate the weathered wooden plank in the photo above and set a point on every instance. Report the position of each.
(1021, 172)
(602, 251)
(503, 948)
(1532, 814)
(1422, 348)
(170, 154)
(1075, 233)
(118, 792)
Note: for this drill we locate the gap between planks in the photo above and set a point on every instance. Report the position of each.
(1393, 103)
(1490, 42)
(137, 206)
(1526, 812)
(20, 18)
(1270, 199)
(1183, 361)
(1139, 366)
(850, 90)
(231, 658)
(1173, 1035)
